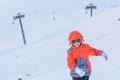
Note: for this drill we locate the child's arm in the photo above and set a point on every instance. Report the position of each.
(96, 52)
(70, 60)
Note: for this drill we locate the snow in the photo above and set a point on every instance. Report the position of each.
(44, 56)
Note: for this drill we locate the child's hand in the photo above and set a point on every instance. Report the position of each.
(104, 55)
(79, 71)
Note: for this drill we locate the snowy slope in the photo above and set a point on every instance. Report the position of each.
(39, 17)
(44, 57)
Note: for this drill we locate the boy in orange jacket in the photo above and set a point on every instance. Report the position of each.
(78, 56)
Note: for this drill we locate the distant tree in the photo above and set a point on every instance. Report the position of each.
(118, 19)
(20, 79)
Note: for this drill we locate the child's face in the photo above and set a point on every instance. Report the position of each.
(76, 42)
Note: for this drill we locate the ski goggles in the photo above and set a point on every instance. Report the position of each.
(76, 40)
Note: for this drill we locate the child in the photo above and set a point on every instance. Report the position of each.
(78, 56)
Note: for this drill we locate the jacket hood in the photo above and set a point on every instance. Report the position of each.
(74, 35)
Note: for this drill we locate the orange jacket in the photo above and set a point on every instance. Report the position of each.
(84, 51)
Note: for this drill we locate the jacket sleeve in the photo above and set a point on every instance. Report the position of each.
(95, 52)
(70, 60)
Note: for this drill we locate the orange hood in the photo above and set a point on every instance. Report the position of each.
(74, 35)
